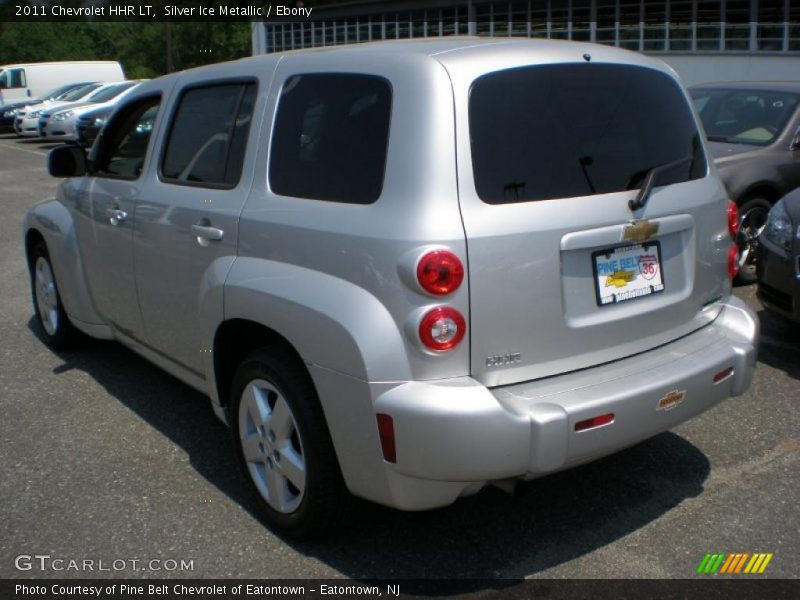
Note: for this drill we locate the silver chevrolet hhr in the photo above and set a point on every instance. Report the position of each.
(408, 269)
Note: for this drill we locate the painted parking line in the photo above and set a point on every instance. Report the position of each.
(28, 150)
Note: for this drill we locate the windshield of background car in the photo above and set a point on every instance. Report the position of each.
(110, 92)
(744, 116)
(80, 92)
(567, 130)
(59, 91)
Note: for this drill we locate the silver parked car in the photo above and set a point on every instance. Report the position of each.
(407, 269)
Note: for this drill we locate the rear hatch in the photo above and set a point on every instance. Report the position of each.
(563, 273)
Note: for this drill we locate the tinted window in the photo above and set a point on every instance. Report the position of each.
(330, 138)
(559, 131)
(122, 148)
(208, 136)
(744, 116)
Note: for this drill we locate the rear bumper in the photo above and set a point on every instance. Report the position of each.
(453, 436)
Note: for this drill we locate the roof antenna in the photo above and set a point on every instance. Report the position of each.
(587, 57)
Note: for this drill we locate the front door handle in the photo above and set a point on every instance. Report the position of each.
(206, 233)
(116, 216)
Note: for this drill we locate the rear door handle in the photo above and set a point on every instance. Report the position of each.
(116, 216)
(207, 233)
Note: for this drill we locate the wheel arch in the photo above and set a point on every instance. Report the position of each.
(761, 189)
(51, 223)
(32, 238)
(234, 340)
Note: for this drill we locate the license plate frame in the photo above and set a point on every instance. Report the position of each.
(633, 275)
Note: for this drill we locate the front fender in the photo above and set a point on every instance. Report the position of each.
(331, 322)
(54, 223)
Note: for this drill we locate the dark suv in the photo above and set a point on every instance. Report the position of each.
(753, 131)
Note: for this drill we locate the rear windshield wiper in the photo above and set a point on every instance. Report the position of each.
(721, 138)
(650, 180)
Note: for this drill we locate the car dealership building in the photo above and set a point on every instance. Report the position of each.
(704, 40)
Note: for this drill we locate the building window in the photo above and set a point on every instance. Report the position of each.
(629, 24)
(680, 25)
(655, 28)
(794, 27)
(559, 21)
(770, 25)
(606, 32)
(581, 20)
(708, 27)
(737, 25)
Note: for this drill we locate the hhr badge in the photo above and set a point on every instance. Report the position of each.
(639, 231)
(503, 360)
(671, 400)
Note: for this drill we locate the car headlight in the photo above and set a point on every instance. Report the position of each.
(9, 114)
(99, 122)
(35, 114)
(778, 229)
(63, 116)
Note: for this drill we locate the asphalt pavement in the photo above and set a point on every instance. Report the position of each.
(105, 458)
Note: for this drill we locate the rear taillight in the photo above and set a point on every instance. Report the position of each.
(440, 272)
(442, 328)
(733, 219)
(733, 261)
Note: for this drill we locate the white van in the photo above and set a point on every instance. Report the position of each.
(23, 81)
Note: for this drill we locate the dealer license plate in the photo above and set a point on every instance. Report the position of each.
(627, 272)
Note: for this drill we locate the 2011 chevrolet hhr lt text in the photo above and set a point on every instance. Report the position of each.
(407, 269)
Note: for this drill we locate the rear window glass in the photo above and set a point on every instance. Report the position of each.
(560, 131)
(744, 116)
(330, 138)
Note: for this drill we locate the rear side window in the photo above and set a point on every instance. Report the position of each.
(560, 131)
(208, 136)
(330, 138)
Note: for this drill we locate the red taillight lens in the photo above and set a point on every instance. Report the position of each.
(442, 328)
(733, 219)
(733, 261)
(386, 433)
(440, 272)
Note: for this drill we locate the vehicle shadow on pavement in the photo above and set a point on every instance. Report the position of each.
(490, 536)
(779, 346)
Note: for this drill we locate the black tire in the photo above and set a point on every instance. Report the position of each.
(323, 501)
(752, 218)
(54, 324)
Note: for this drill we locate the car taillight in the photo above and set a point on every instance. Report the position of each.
(733, 261)
(440, 272)
(733, 219)
(442, 328)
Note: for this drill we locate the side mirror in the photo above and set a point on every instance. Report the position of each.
(795, 140)
(67, 161)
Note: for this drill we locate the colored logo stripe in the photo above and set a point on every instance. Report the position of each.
(734, 563)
